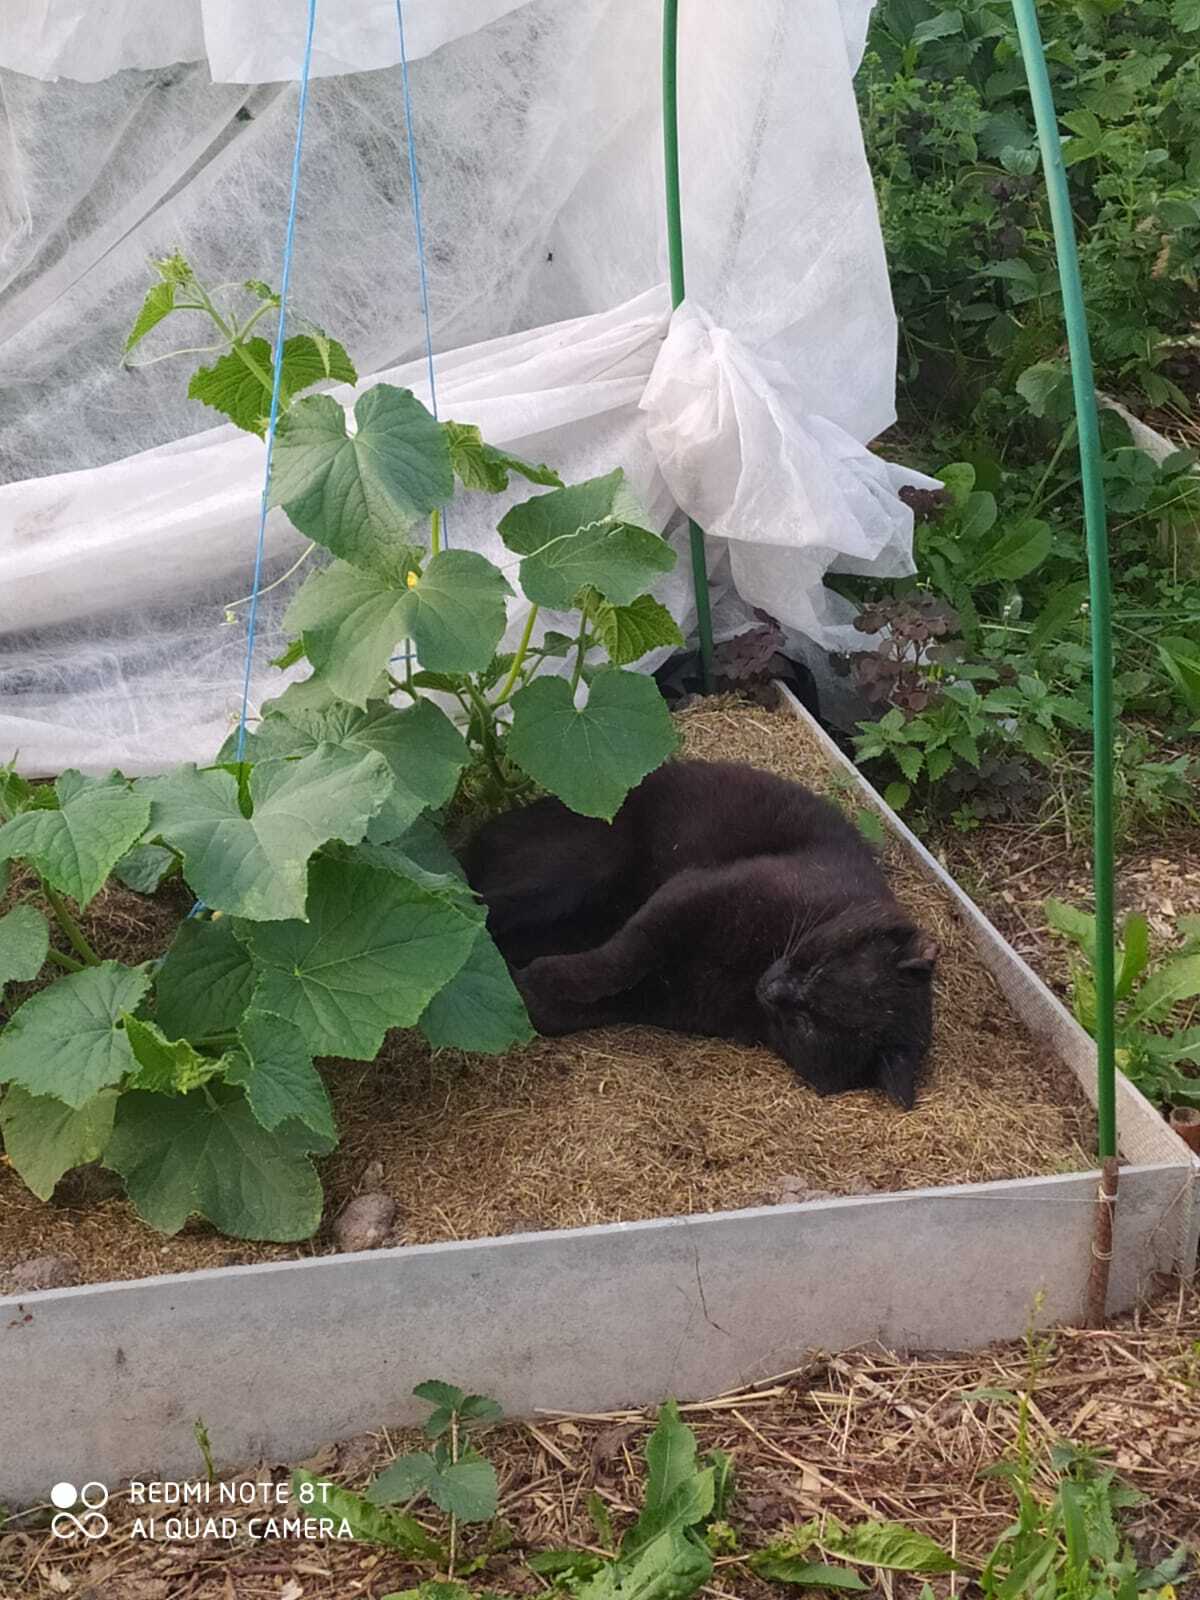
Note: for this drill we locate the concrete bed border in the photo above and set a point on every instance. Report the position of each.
(104, 1381)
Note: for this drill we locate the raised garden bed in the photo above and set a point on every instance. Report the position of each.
(622, 1125)
(579, 1135)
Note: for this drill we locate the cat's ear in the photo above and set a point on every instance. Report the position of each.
(920, 954)
(897, 1077)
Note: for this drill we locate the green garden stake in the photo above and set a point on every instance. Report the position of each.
(1088, 421)
(675, 247)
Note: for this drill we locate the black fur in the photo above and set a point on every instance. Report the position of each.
(721, 901)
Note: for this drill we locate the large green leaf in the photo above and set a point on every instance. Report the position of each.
(166, 1066)
(446, 1398)
(145, 867)
(24, 941)
(1041, 384)
(888, 1544)
(68, 1040)
(584, 536)
(374, 952)
(678, 1494)
(419, 853)
(374, 1524)
(403, 1481)
(662, 1556)
(482, 466)
(455, 613)
(393, 856)
(466, 1489)
(76, 846)
(16, 792)
(205, 983)
(689, 1504)
(43, 1138)
(421, 746)
(480, 1008)
(1169, 1048)
(1015, 553)
(242, 392)
(206, 1154)
(1181, 658)
(1163, 990)
(257, 866)
(629, 632)
(159, 303)
(670, 1457)
(425, 844)
(352, 621)
(976, 516)
(362, 494)
(562, 1567)
(275, 1068)
(314, 694)
(671, 1567)
(787, 1568)
(592, 757)
(1074, 924)
(1134, 954)
(1062, 609)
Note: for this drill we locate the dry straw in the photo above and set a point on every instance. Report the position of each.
(633, 1123)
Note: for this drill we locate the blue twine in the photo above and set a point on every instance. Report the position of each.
(415, 190)
(288, 246)
(423, 271)
(276, 384)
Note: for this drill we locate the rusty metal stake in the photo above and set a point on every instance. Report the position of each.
(1102, 1244)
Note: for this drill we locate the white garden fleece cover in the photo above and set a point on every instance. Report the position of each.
(130, 129)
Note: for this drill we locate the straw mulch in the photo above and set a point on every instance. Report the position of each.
(860, 1435)
(624, 1124)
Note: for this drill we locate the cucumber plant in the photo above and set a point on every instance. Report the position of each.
(330, 908)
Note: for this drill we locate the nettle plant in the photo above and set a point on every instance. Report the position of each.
(330, 908)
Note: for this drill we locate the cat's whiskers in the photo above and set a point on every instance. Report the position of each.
(803, 922)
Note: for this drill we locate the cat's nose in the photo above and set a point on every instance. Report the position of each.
(772, 989)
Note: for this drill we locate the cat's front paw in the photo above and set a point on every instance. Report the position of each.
(536, 988)
(576, 980)
(549, 975)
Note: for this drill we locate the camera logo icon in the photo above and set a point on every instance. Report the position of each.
(90, 1523)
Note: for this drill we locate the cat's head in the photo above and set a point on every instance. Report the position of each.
(849, 1005)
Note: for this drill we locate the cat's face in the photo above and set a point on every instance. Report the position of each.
(851, 1006)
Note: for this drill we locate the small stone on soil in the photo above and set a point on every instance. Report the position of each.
(365, 1222)
(792, 1189)
(40, 1272)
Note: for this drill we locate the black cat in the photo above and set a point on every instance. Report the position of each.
(721, 901)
